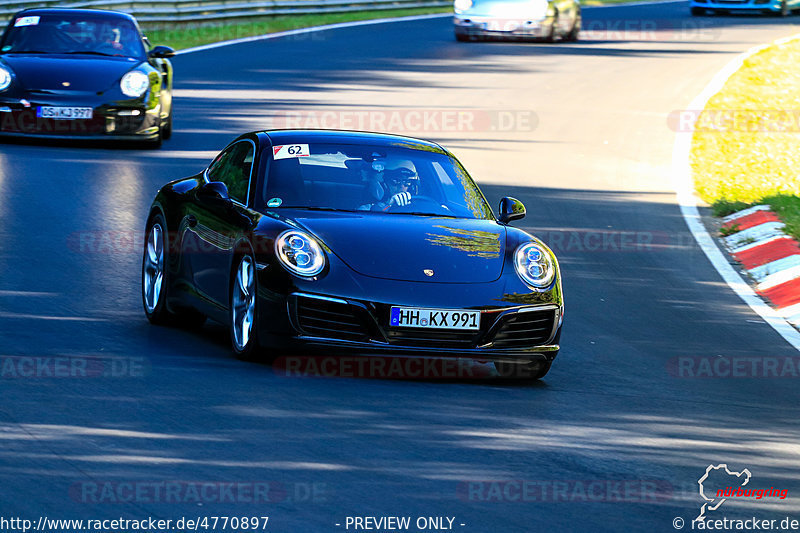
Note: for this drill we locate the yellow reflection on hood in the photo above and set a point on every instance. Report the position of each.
(475, 243)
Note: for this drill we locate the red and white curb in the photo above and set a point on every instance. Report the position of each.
(771, 257)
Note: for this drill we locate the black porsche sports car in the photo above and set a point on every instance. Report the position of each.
(352, 242)
(83, 73)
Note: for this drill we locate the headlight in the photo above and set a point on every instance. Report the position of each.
(5, 78)
(462, 5)
(300, 253)
(534, 265)
(134, 83)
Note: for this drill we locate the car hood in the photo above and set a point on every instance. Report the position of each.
(403, 247)
(82, 74)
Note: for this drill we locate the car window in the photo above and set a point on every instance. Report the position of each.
(73, 33)
(394, 179)
(233, 168)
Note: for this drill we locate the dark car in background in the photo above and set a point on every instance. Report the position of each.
(83, 73)
(351, 242)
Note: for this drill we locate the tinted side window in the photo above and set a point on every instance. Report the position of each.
(232, 167)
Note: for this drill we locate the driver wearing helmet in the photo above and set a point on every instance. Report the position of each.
(400, 183)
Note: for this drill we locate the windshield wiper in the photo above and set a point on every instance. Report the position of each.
(428, 214)
(318, 208)
(91, 52)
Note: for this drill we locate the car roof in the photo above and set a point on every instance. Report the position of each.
(62, 10)
(290, 136)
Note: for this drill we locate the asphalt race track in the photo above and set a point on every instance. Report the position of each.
(588, 152)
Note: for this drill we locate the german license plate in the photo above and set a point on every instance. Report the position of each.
(65, 113)
(415, 317)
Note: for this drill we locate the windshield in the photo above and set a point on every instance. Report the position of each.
(371, 179)
(73, 33)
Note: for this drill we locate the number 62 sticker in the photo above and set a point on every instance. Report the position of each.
(285, 151)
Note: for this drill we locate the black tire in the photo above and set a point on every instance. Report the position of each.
(461, 37)
(697, 11)
(573, 34)
(156, 143)
(160, 314)
(244, 350)
(156, 310)
(166, 131)
(553, 35)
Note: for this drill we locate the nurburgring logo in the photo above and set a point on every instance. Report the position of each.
(712, 504)
(722, 494)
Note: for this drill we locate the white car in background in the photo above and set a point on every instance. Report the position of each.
(547, 20)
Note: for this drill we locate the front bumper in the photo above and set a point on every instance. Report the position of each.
(500, 28)
(738, 5)
(125, 120)
(346, 326)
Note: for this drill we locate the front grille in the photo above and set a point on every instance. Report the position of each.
(324, 318)
(432, 338)
(525, 329)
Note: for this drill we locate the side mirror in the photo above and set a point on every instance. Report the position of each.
(161, 52)
(214, 193)
(511, 209)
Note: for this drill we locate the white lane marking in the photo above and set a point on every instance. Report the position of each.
(745, 212)
(301, 31)
(4, 314)
(761, 273)
(755, 234)
(27, 293)
(684, 189)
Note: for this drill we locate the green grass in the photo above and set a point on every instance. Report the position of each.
(788, 209)
(745, 150)
(188, 37)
